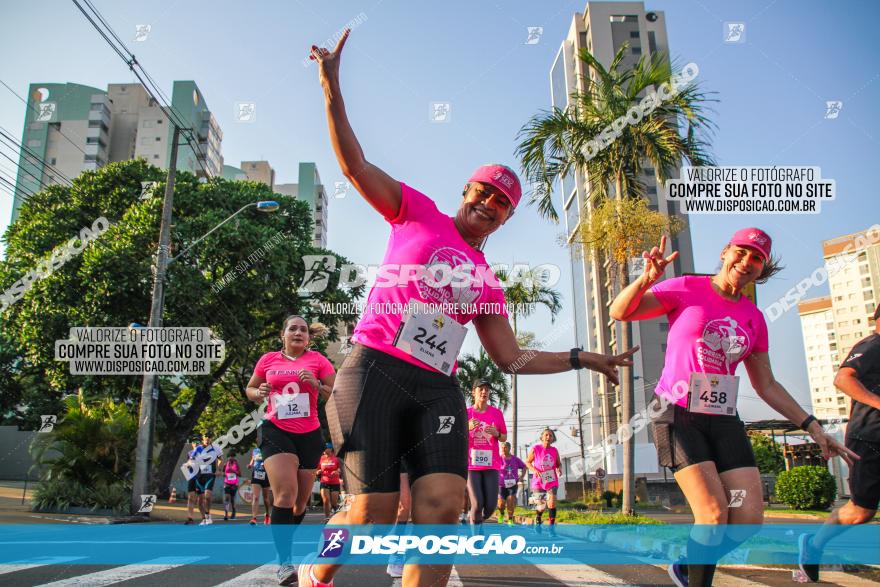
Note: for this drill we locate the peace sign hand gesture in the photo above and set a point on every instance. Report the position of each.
(655, 263)
(328, 61)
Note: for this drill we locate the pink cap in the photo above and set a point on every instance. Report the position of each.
(755, 238)
(501, 177)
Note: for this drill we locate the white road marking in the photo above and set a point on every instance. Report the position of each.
(571, 572)
(14, 567)
(126, 572)
(265, 575)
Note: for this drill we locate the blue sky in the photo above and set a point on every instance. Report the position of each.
(772, 91)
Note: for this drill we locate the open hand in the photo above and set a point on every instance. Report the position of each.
(607, 364)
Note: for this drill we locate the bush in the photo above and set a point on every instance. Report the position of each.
(806, 488)
(609, 497)
(59, 495)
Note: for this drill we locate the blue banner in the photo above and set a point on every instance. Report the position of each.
(493, 545)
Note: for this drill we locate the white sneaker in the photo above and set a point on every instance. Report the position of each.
(208, 521)
(204, 522)
(394, 571)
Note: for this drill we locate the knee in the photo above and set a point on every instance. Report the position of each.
(437, 509)
(715, 514)
(284, 498)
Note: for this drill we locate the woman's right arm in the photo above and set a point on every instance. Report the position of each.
(380, 190)
(635, 302)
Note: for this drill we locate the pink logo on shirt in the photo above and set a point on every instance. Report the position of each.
(457, 291)
(724, 343)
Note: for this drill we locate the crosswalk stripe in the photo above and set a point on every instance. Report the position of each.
(259, 576)
(578, 574)
(454, 579)
(14, 567)
(126, 572)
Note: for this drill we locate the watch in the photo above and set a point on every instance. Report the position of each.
(806, 423)
(574, 359)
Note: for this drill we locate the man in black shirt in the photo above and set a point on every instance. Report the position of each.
(859, 378)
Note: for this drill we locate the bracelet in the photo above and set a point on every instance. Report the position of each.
(806, 423)
(574, 359)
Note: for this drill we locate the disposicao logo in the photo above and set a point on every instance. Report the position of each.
(334, 542)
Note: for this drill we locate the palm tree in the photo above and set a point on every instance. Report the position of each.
(525, 293)
(553, 145)
(473, 368)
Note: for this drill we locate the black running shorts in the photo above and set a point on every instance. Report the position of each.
(505, 492)
(204, 482)
(308, 446)
(864, 475)
(686, 438)
(384, 409)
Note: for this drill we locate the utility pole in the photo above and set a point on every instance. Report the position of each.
(149, 387)
(583, 455)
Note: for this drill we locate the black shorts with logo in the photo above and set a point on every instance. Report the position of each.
(505, 492)
(204, 482)
(864, 475)
(308, 446)
(686, 438)
(384, 409)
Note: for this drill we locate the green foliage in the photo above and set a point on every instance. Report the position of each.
(92, 445)
(768, 454)
(473, 368)
(806, 488)
(59, 495)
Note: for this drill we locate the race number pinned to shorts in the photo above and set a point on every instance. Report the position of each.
(259, 475)
(548, 476)
(293, 405)
(430, 336)
(481, 458)
(713, 393)
(510, 483)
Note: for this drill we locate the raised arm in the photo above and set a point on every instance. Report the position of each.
(378, 188)
(635, 302)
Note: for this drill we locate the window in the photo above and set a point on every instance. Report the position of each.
(52, 161)
(636, 50)
(842, 411)
(634, 34)
(158, 139)
(838, 298)
(866, 282)
(863, 269)
(148, 124)
(652, 190)
(34, 143)
(159, 121)
(155, 156)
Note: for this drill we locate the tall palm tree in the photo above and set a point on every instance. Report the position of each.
(526, 292)
(472, 368)
(553, 145)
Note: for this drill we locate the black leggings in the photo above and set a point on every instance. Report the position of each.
(483, 491)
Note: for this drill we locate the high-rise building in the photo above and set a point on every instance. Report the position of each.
(602, 29)
(832, 325)
(70, 128)
(310, 189)
(259, 171)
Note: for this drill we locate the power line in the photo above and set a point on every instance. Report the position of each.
(17, 95)
(25, 149)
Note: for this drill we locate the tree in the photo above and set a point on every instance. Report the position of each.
(768, 454)
(556, 144)
(473, 368)
(240, 282)
(524, 293)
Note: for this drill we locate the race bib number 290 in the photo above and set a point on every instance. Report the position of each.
(430, 336)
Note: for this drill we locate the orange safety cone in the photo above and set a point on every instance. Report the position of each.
(173, 497)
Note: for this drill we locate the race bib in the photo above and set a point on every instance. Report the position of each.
(548, 476)
(481, 458)
(711, 393)
(289, 406)
(205, 468)
(509, 483)
(231, 477)
(430, 336)
(260, 475)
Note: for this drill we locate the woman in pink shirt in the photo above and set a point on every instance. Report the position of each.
(543, 461)
(231, 473)
(396, 395)
(486, 428)
(698, 433)
(291, 440)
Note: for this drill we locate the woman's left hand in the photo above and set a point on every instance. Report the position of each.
(830, 446)
(492, 430)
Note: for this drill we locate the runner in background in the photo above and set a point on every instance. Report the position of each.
(699, 434)
(859, 378)
(328, 472)
(543, 461)
(260, 483)
(207, 476)
(510, 477)
(192, 497)
(231, 474)
(291, 379)
(486, 428)
(397, 395)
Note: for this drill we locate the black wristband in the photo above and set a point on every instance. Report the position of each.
(574, 359)
(806, 423)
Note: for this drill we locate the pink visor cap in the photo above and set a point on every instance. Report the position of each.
(501, 177)
(755, 238)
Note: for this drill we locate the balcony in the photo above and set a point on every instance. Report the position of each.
(102, 116)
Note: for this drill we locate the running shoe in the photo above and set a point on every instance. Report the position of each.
(266, 520)
(509, 521)
(225, 518)
(253, 522)
(806, 551)
(204, 522)
(307, 577)
(287, 574)
(394, 571)
(678, 573)
(500, 518)
(189, 521)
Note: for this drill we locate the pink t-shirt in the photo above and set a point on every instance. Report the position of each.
(546, 460)
(707, 333)
(422, 236)
(281, 374)
(482, 442)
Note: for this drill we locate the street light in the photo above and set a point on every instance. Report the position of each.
(149, 387)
